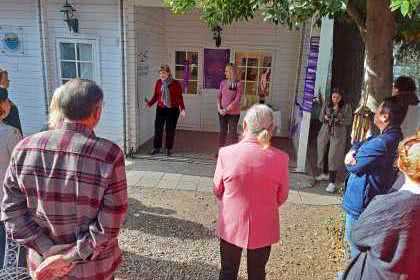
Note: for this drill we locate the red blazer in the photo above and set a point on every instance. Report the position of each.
(175, 90)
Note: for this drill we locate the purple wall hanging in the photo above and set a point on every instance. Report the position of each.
(215, 61)
(186, 75)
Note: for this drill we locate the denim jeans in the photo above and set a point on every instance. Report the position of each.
(350, 221)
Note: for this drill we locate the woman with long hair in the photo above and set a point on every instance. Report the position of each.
(229, 105)
(335, 116)
(250, 184)
(170, 104)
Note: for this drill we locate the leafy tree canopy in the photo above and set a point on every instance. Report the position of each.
(293, 12)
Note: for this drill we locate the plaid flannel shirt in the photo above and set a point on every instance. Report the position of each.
(67, 187)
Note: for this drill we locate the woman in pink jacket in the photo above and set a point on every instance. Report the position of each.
(250, 183)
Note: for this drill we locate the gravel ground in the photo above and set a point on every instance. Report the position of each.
(170, 235)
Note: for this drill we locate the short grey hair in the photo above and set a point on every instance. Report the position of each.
(259, 120)
(79, 99)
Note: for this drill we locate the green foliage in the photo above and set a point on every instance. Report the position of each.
(288, 12)
(407, 60)
(406, 7)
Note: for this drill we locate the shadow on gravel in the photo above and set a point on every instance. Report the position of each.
(147, 268)
(158, 221)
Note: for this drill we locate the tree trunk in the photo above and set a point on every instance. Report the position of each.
(380, 31)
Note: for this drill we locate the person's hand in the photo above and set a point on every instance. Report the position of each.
(183, 114)
(54, 267)
(221, 111)
(58, 250)
(326, 118)
(350, 158)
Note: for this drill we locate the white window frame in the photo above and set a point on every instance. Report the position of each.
(172, 56)
(269, 52)
(95, 53)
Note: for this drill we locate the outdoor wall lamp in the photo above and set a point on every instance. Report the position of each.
(217, 35)
(69, 18)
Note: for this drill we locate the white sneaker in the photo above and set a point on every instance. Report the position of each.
(322, 177)
(331, 188)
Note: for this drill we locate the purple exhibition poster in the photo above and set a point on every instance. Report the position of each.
(309, 86)
(215, 61)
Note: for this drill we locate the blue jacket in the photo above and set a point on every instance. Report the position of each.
(374, 171)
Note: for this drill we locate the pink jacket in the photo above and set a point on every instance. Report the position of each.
(250, 184)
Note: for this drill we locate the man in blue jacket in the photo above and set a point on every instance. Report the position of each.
(371, 164)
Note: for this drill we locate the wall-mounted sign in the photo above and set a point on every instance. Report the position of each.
(11, 40)
(143, 65)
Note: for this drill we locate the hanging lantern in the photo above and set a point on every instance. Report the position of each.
(217, 35)
(69, 18)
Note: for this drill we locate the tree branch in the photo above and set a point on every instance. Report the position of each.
(354, 13)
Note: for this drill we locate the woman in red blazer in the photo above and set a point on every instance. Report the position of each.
(170, 104)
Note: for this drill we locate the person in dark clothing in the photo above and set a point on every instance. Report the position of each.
(170, 104)
(336, 116)
(371, 165)
(404, 92)
(13, 118)
(388, 232)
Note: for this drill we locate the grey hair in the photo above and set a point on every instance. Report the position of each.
(79, 99)
(260, 122)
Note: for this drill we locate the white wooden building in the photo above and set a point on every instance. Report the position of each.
(121, 44)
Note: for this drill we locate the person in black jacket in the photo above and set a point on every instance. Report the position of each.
(387, 234)
(13, 118)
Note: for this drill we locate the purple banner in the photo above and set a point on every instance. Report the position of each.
(305, 103)
(186, 76)
(215, 61)
(309, 87)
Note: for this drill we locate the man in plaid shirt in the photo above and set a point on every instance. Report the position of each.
(65, 193)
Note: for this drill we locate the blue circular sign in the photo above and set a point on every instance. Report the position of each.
(11, 41)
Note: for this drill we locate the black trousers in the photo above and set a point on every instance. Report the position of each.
(228, 127)
(230, 256)
(168, 118)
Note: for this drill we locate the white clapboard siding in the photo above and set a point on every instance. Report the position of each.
(189, 32)
(150, 31)
(25, 71)
(98, 20)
